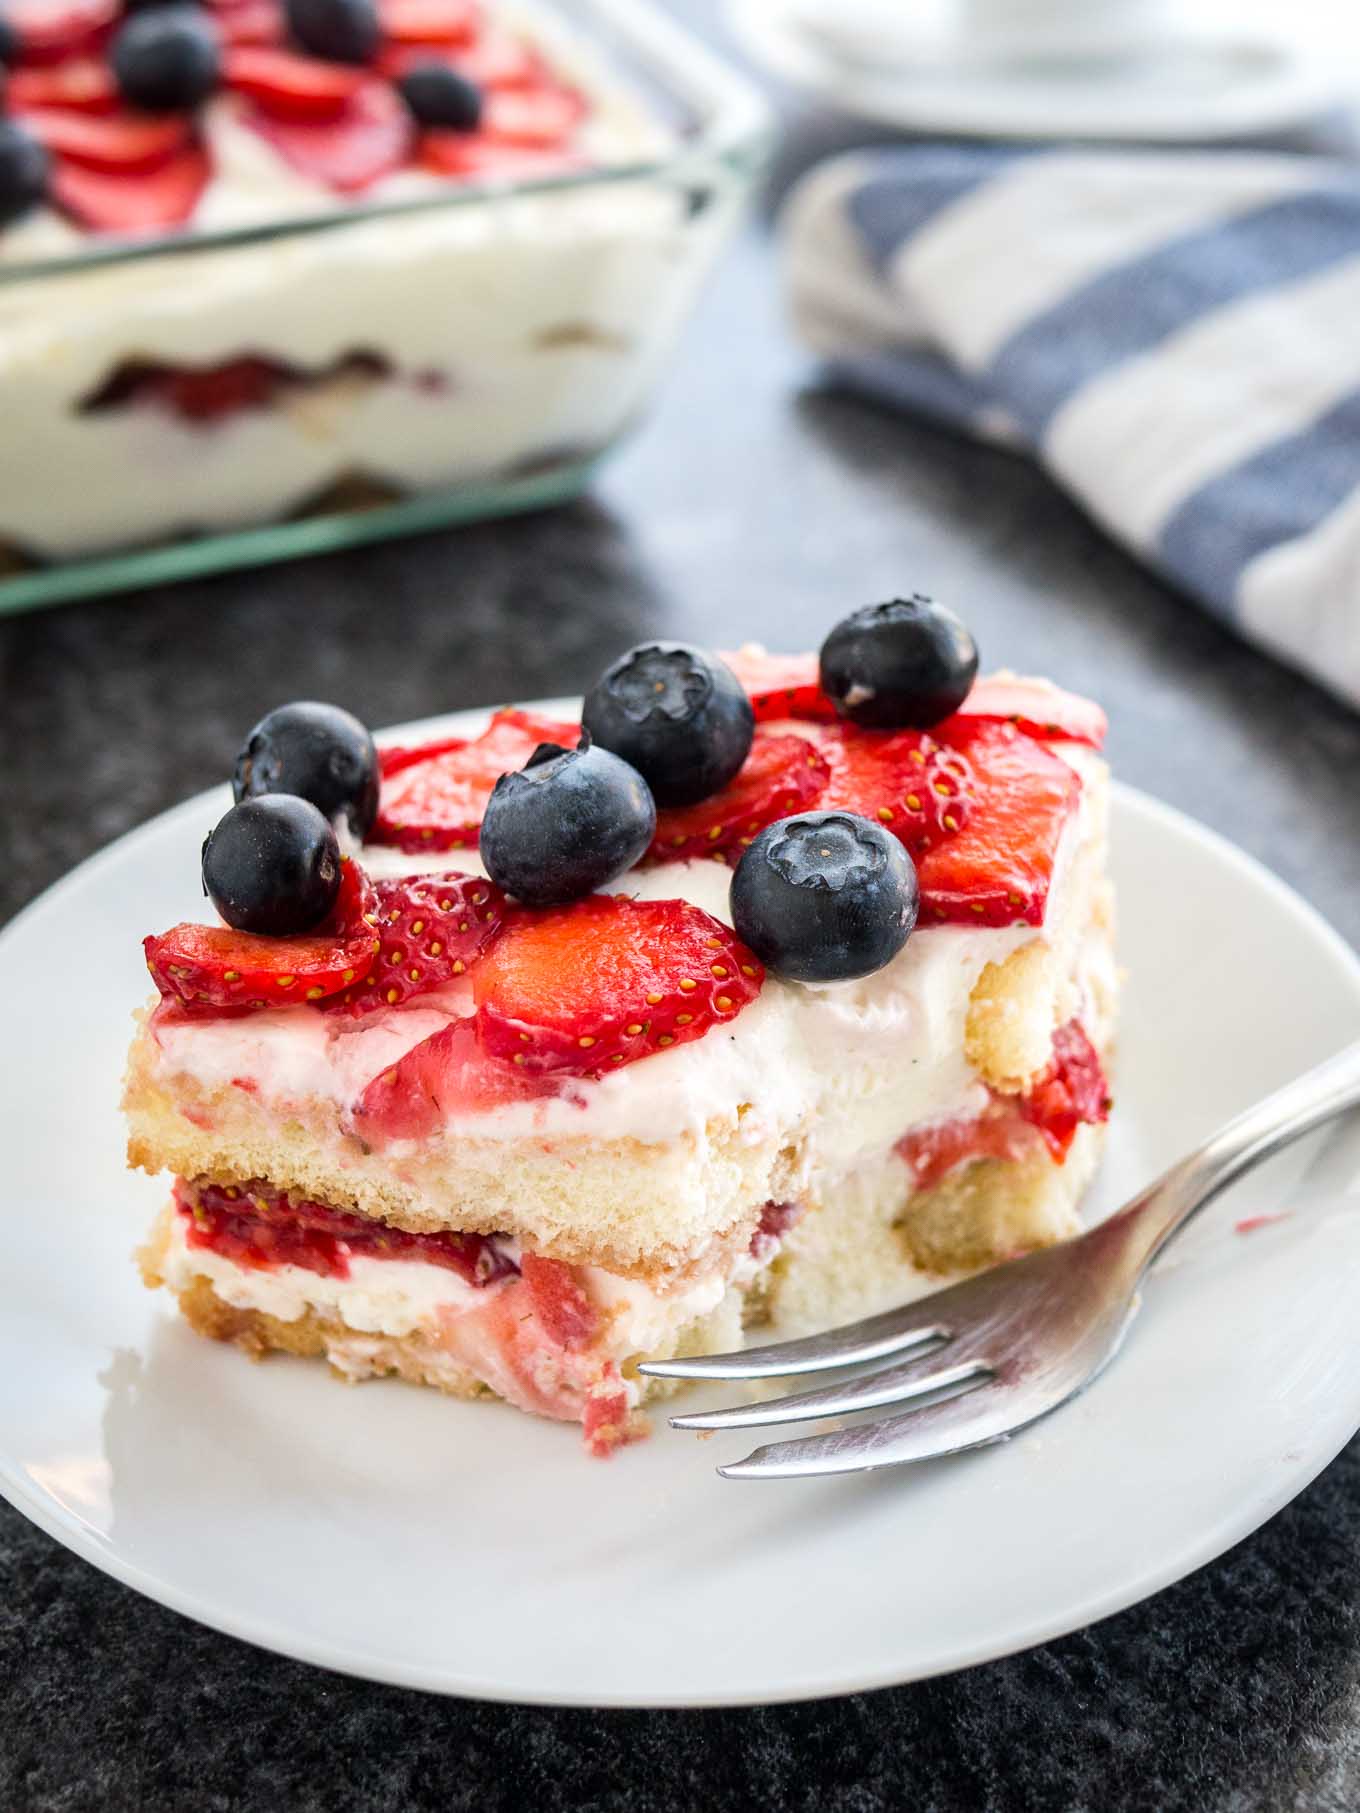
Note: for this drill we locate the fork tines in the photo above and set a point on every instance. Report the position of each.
(915, 1344)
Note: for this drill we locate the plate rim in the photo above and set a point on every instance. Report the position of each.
(1304, 90)
(67, 1528)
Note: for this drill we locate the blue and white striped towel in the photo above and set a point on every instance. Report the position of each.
(1176, 336)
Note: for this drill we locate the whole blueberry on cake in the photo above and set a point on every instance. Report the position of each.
(781, 991)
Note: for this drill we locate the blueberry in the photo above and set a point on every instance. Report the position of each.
(439, 96)
(342, 31)
(678, 715)
(317, 751)
(167, 60)
(825, 897)
(24, 165)
(9, 40)
(908, 662)
(568, 822)
(272, 865)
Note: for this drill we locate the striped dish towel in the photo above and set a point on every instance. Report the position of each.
(1176, 336)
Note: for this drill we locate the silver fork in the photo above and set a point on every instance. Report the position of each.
(986, 1357)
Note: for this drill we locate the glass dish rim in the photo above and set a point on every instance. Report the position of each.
(734, 125)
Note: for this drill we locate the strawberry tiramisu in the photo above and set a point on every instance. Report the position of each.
(767, 992)
(263, 257)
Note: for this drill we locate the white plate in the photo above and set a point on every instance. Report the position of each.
(462, 1547)
(1231, 79)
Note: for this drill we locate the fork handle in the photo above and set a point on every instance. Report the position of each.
(1317, 1096)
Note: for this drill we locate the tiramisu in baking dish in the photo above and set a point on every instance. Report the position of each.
(268, 258)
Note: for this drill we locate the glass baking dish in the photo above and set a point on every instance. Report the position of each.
(529, 321)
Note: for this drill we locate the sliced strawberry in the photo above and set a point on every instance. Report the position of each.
(903, 779)
(538, 117)
(223, 390)
(212, 966)
(145, 202)
(444, 1076)
(606, 1419)
(500, 1340)
(84, 85)
(51, 30)
(475, 157)
(495, 60)
(498, 59)
(258, 22)
(355, 913)
(292, 86)
(776, 1218)
(120, 143)
(432, 928)
(1036, 707)
(397, 756)
(1073, 1091)
(450, 22)
(780, 776)
(781, 686)
(932, 1152)
(561, 1305)
(198, 393)
(369, 139)
(996, 870)
(391, 61)
(434, 800)
(587, 987)
(257, 1226)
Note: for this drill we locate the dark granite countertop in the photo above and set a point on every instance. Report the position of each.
(751, 499)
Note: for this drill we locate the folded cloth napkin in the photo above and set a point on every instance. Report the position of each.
(1176, 336)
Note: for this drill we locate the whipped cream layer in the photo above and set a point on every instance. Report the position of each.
(514, 329)
(861, 1062)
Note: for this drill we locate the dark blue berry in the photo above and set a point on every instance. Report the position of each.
(9, 40)
(906, 663)
(680, 716)
(319, 752)
(567, 823)
(167, 60)
(272, 865)
(24, 165)
(825, 897)
(438, 95)
(342, 31)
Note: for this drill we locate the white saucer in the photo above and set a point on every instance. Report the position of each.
(1232, 78)
(391, 1533)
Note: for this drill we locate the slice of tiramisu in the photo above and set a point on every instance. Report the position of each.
(777, 994)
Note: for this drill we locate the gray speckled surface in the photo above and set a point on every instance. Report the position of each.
(750, 502)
